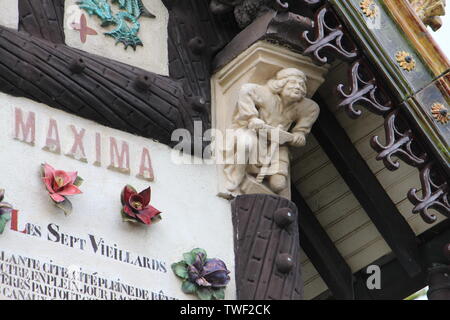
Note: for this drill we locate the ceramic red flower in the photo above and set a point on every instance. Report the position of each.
(136, 206)
(61, 184)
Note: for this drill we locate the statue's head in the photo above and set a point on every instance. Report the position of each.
(290, 83)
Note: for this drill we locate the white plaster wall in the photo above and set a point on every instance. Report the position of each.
(10, 13)
(193, 216)
(153, 56)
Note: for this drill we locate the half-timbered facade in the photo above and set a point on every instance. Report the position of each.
(134, 92)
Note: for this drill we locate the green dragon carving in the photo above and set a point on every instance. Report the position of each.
(126, 21)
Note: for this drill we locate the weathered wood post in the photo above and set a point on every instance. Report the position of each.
(267, 248)
(439, 278)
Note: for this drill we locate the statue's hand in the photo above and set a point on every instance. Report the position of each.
(299, 139)
(256, 124)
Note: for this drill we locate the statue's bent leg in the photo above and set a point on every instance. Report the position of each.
(279, 168)
(277, 183)
(239, 156)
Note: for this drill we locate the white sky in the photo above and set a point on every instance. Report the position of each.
(442, 36)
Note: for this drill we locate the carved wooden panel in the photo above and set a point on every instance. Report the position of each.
(267, 248)
(43, 19)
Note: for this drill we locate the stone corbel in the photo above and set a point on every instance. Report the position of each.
(255, 65)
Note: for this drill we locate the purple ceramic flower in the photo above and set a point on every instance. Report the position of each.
(208, 273)
(207, 278)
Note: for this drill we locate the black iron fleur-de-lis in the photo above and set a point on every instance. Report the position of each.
(434, 196)
(362, 93)
(328, 40)
(398, 144)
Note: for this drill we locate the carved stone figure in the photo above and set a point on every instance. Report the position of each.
(430, 11)
(267, 120)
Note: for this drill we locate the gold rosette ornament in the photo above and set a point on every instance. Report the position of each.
(440, 113)
(405, 60)
(369, 8)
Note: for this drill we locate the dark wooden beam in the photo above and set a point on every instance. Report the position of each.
(277, 27)
(395, 283)
(93, 87)
(433, 250)
(439, 282)
(321, 251)
(266, 248)
(43, 19)
(367, 189)
(437, 256)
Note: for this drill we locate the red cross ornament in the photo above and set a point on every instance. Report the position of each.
(83, 28)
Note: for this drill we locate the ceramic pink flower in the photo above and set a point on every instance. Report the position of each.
(61, 184)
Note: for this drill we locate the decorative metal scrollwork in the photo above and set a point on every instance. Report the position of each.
(398, 144)
(363, 93)
(364, 90)
(434, 195)
(328, 39)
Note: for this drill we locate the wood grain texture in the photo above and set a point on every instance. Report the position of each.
(34, 63)
(43, 19)
(105, 91)
(261, 245)
(195, 35)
